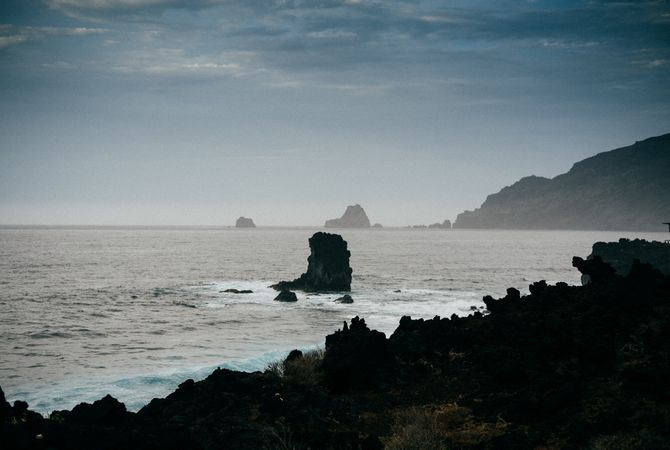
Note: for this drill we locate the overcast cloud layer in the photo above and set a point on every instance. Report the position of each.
(197, 112)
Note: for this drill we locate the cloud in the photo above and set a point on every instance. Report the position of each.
(353, 46)
(109, 5)
(172, 62)
(332, 34)
(7, 41)
(104, 8)
(13, 35)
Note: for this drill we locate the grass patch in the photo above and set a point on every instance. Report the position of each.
(303, 370)
(440, 427)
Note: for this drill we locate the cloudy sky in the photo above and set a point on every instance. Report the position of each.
(197, 112)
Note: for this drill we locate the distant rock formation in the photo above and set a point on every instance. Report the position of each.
(377, 225)
(354, 217)
(623, 189)
(238, 291)
(446, 225)
(244, 222)
(620, 255)
(327, 266)
(286, 296)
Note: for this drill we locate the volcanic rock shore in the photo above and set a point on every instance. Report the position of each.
(564, 367)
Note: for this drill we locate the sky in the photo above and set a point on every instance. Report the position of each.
(175, 112)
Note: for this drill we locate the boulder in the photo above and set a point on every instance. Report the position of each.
(286, 296)
(594, 270)
(244, 222)
(239, 291)
(377, 225)
(327, 266)
(344, 299)
(354, 217)
(106, 411)
(293, 355)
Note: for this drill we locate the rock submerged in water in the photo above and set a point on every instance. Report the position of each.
(244, 222)
(286, 296)
(328, 266)
(344, 299)
(239, 291)
(354, 217)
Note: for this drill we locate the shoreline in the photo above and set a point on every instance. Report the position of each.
(563, 366)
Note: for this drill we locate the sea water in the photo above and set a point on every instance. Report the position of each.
(133, 312)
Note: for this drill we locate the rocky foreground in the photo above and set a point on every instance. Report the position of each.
(563, 367)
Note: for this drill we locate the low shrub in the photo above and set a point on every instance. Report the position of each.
(441, 427)
(303, 370)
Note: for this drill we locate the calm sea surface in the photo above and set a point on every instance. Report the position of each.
(133, 312)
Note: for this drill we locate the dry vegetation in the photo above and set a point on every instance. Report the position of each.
(304, 370)
(440, 427)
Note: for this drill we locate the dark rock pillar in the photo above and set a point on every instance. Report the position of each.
(328, 266)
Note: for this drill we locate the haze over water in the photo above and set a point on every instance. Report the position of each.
(134, 312)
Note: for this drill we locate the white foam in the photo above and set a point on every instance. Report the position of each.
(382, 308)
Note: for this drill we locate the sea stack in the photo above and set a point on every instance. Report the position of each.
(244, 222)
(327, 266)
(354, 217)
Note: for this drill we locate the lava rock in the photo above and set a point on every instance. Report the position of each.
(107, 410)
(620, 255)
(328, 266)
(286, 296)
(355, 357)
(293, 355)
(593, 270)
(344, 299)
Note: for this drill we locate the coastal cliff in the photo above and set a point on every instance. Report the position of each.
(623, 189)
(565, 367)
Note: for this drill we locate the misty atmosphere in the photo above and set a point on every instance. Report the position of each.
(168, 112)
(334, 224)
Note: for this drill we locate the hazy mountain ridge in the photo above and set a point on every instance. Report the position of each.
(623, 189)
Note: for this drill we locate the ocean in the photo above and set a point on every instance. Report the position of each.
(133, 312)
